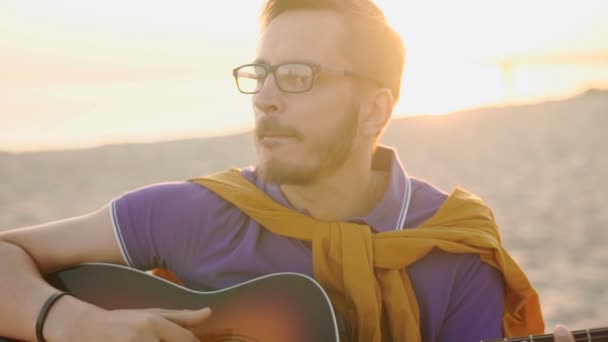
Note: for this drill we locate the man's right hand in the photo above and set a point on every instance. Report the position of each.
(95, 324)
(28, 253)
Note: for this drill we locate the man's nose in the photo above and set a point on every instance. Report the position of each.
(270, 98)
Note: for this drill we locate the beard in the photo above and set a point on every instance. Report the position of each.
(329, 153)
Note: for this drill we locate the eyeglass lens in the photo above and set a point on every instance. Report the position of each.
(289, 78)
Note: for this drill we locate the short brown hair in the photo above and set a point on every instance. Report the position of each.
(374, 47)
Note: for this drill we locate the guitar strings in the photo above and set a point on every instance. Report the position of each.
(593, 338)
(584, 338)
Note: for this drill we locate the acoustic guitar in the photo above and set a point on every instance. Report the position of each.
(275, 308)
(279, 307)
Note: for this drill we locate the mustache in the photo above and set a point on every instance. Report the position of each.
(271, 126)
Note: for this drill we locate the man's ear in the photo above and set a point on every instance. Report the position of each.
(376, 109)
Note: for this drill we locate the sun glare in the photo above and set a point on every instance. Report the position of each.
(433, 86)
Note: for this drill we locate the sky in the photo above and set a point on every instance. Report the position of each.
(85, 73)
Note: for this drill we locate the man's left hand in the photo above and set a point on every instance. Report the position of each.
(562, 334)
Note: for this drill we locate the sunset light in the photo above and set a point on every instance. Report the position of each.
(87, 73)
(176, 138)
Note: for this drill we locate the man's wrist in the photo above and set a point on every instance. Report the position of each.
(42, 314)
(62, 317)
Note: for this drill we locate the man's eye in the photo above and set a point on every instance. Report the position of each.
(293, 74)
(295, 77)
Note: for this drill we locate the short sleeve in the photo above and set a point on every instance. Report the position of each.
(155, 224)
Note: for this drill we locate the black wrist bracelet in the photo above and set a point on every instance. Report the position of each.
(43, 312)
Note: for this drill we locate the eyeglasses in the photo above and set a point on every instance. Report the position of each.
(289, 77)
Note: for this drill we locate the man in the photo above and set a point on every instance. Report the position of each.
(324, 84)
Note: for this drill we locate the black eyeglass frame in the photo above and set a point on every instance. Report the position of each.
(316, 68)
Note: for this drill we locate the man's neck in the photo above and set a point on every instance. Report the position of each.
(344, 193)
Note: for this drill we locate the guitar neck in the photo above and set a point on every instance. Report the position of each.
(589, 335)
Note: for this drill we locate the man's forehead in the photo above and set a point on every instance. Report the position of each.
(304, 36)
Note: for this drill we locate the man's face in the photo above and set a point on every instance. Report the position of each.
(300, 136)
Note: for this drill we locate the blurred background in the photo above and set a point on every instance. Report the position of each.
(77, 73)
(505, 98)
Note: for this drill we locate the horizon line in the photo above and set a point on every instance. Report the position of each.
(244, 129)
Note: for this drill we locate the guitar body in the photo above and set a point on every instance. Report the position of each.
(275, 308)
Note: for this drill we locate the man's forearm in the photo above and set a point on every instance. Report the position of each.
(22, 293)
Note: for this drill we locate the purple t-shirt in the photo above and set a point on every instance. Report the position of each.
(210, 244)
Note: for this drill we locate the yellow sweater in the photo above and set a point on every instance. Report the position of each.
(363, 273)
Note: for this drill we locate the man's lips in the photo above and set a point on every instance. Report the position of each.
(284, 135)
(268, 128)
(274, 139)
